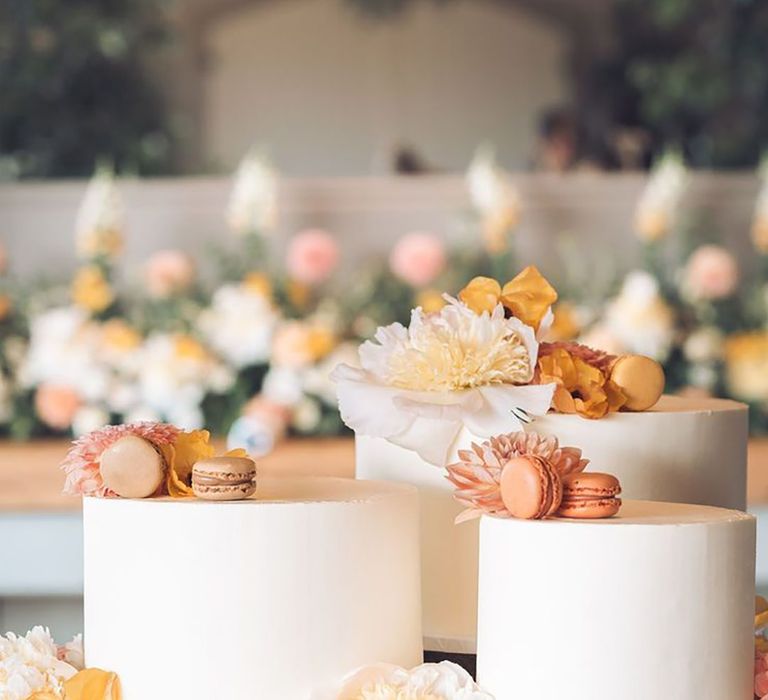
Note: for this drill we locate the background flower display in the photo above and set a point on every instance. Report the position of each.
(246, 347)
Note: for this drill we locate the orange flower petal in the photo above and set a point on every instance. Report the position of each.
(93, 684)
(180, 456)
(529, 296)
(481, 294)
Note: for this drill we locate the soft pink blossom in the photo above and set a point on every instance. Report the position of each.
(711, 273)
(56, 405)
(168, 272)
(274, 415)
(81, 465)
(418, 258)
(312, 256)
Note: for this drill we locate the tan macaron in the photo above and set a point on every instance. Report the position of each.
(132, 467)
(224, 478)
(531, 488)
(640, 378)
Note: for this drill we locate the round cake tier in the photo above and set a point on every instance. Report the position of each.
(685, 450)
(270, 597)
(655, 603)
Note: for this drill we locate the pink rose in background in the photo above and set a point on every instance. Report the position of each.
(711, 273)
(57, 405)
(418, 258)
(761, 676)
(168, 272)
(312, 256)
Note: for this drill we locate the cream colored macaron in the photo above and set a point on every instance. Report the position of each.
(641, 379)
(224, 478)
(132, 467)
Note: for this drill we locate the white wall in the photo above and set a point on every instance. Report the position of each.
(331, 92)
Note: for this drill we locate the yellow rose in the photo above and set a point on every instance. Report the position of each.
(258, 283)
(180, 456)
(92, 684)
(430, 300)
(187, 348)
(481, 294)
(320, 341)
(120, 336)
(746, 361)
(529, 296)
(91, 290)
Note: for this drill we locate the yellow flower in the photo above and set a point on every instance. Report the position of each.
(44, 694)
(746, 360)
(91, 290)
(92, 684)
(320, 341)
(180, 456)
(106, 243)
(118, 335)
(187, 348)
(5, 306)
(430, 300)
(481, 294)
(566, 325)
(581, 387)
(529, 296)
(258, 283)
(298, 293)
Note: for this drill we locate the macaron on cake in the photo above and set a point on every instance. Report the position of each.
(530, 487)
(224, 478)
(132, 467)
(590, 495)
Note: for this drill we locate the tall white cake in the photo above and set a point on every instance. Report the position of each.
(270, 597)
(685, 450)
(655, 603)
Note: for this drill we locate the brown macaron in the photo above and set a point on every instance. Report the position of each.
(531, 488)
(224, 478)
(641, 380)
(132, 467)
(590, 495)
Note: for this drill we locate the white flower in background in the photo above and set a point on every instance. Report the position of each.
(306, 415)
(101, 217)
(174, 378)
(443, 681)
(660, 201)
(253, 202)
(89, 418)
(142, 414)
(494, 196)
(64, 350)
(317, 378)
(420, 385)
(283, 385)
(705, 344)
(30, 663)
(639, 318)
(703, 376)
(239, 325)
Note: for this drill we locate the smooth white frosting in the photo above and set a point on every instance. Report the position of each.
(270, 597)
(684, 450)
(656, 603)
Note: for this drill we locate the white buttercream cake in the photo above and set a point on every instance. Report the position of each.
(684, 450)
(657, 602)
(269, 597)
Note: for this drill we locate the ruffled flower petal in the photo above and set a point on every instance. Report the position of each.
(93, 684)
(529, 296)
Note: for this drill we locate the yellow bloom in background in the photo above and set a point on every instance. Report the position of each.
(481, 294)
(5, 306)
(566, 325)
(760, 234)
(430, 300)
(187, 348)
(119, 335)
(92, 684)
(660, 200)
(258, 283)
(746, 362)
(100, 218)
(91, 290)
(496, 227)
(529, 296)
(298, 294)
(180, 456)
(320, 341)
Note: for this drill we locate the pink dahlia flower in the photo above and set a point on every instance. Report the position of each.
(477, 474)
(312, 256)
(418, 258)
(81, 465)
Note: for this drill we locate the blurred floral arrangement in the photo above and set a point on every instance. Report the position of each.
(250, 352)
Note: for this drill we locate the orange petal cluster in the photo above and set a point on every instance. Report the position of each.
(528, 296)
(582, 387)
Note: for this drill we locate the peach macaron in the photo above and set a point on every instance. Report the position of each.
(590, 495)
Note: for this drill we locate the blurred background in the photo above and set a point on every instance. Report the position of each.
(205, 205)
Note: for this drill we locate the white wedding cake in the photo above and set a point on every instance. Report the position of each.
(655, 603)
(271, 597)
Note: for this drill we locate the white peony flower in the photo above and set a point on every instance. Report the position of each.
(239, 325)
(306, 415)
(89, 418)
(283, 385)
(31, 663)
(705, 344)
(491, 188)
(443, 681)
(253, 202)
(661, 198)
(640, 319)
(418, 386)
(317, 378)
(100, 219)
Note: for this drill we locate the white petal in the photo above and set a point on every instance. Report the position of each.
(431, 439)
(496, 415)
